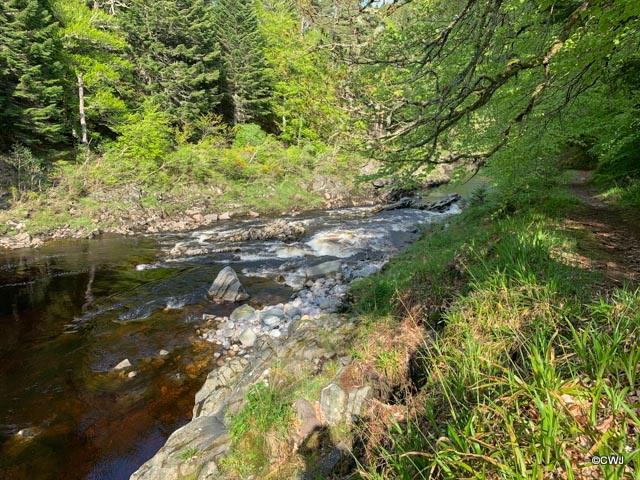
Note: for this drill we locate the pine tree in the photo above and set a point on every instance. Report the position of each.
(175, 53)
(31, 75)
(244, 83)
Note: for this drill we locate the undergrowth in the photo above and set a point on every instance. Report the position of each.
(529, 370)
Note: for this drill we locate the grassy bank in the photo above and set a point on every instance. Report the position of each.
(497, 348)
(145, 181)
(527, 366)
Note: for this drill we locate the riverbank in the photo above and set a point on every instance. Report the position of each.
(501, 342)
(32, 221)
(81, 308)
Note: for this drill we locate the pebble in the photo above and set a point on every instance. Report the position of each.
(275, 333)
(123, 364)
(163, 353)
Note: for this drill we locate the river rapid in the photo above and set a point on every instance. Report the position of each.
(72, 310)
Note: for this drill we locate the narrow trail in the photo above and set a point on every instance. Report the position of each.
(609, 237)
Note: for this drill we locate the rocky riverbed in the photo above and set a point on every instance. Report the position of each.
(112, 338)
(298, 335)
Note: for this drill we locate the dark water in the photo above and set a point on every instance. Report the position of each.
(68, 314)
(73, 310)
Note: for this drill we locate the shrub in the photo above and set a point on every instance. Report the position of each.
(30, 172)
(249, 135)
(145, 140)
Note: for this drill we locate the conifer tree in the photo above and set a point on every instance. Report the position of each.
(244, 84)
(94, 51)
(31, 88)
(175, 53)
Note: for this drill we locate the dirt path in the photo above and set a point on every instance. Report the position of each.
(611, 239)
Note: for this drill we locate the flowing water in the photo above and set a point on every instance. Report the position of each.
(71, 311)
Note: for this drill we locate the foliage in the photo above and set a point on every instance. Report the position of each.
(94, 49)
(31, 75)
(462, 80)
(145, 139)
(30, 171)
(305, 79)
(249, 135)
(244, 81)
(530, 371)
(176, 55)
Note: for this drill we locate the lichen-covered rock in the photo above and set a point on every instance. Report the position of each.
(356, 402)
(333, 404)
(227, 288)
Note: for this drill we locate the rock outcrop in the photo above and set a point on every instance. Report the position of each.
(411, 202)
(204, 437)
(277, 230)
(225, 390)
(441, 205)
(21, 240)
(227, 288)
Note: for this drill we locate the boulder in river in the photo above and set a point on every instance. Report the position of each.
(441, 205)
(227, 288)
(323, 268)
(277, 230)
(182, 249)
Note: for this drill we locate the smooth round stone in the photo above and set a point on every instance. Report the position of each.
(271, 320)
(275, 333)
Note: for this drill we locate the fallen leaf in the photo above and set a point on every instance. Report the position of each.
(605, 425)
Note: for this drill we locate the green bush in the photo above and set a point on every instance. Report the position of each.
(30, 172)
(145, 140)
(249, 135)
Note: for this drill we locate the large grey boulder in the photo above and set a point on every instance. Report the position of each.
(227, 288)
(323, 268)
(204, 437)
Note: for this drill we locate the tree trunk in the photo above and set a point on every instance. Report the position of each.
(83, 118)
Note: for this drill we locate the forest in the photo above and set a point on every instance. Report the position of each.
(502, 343)
(99, 95)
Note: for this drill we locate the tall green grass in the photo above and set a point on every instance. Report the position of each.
(533, 372)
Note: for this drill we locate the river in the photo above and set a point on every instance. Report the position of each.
(72, 310)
